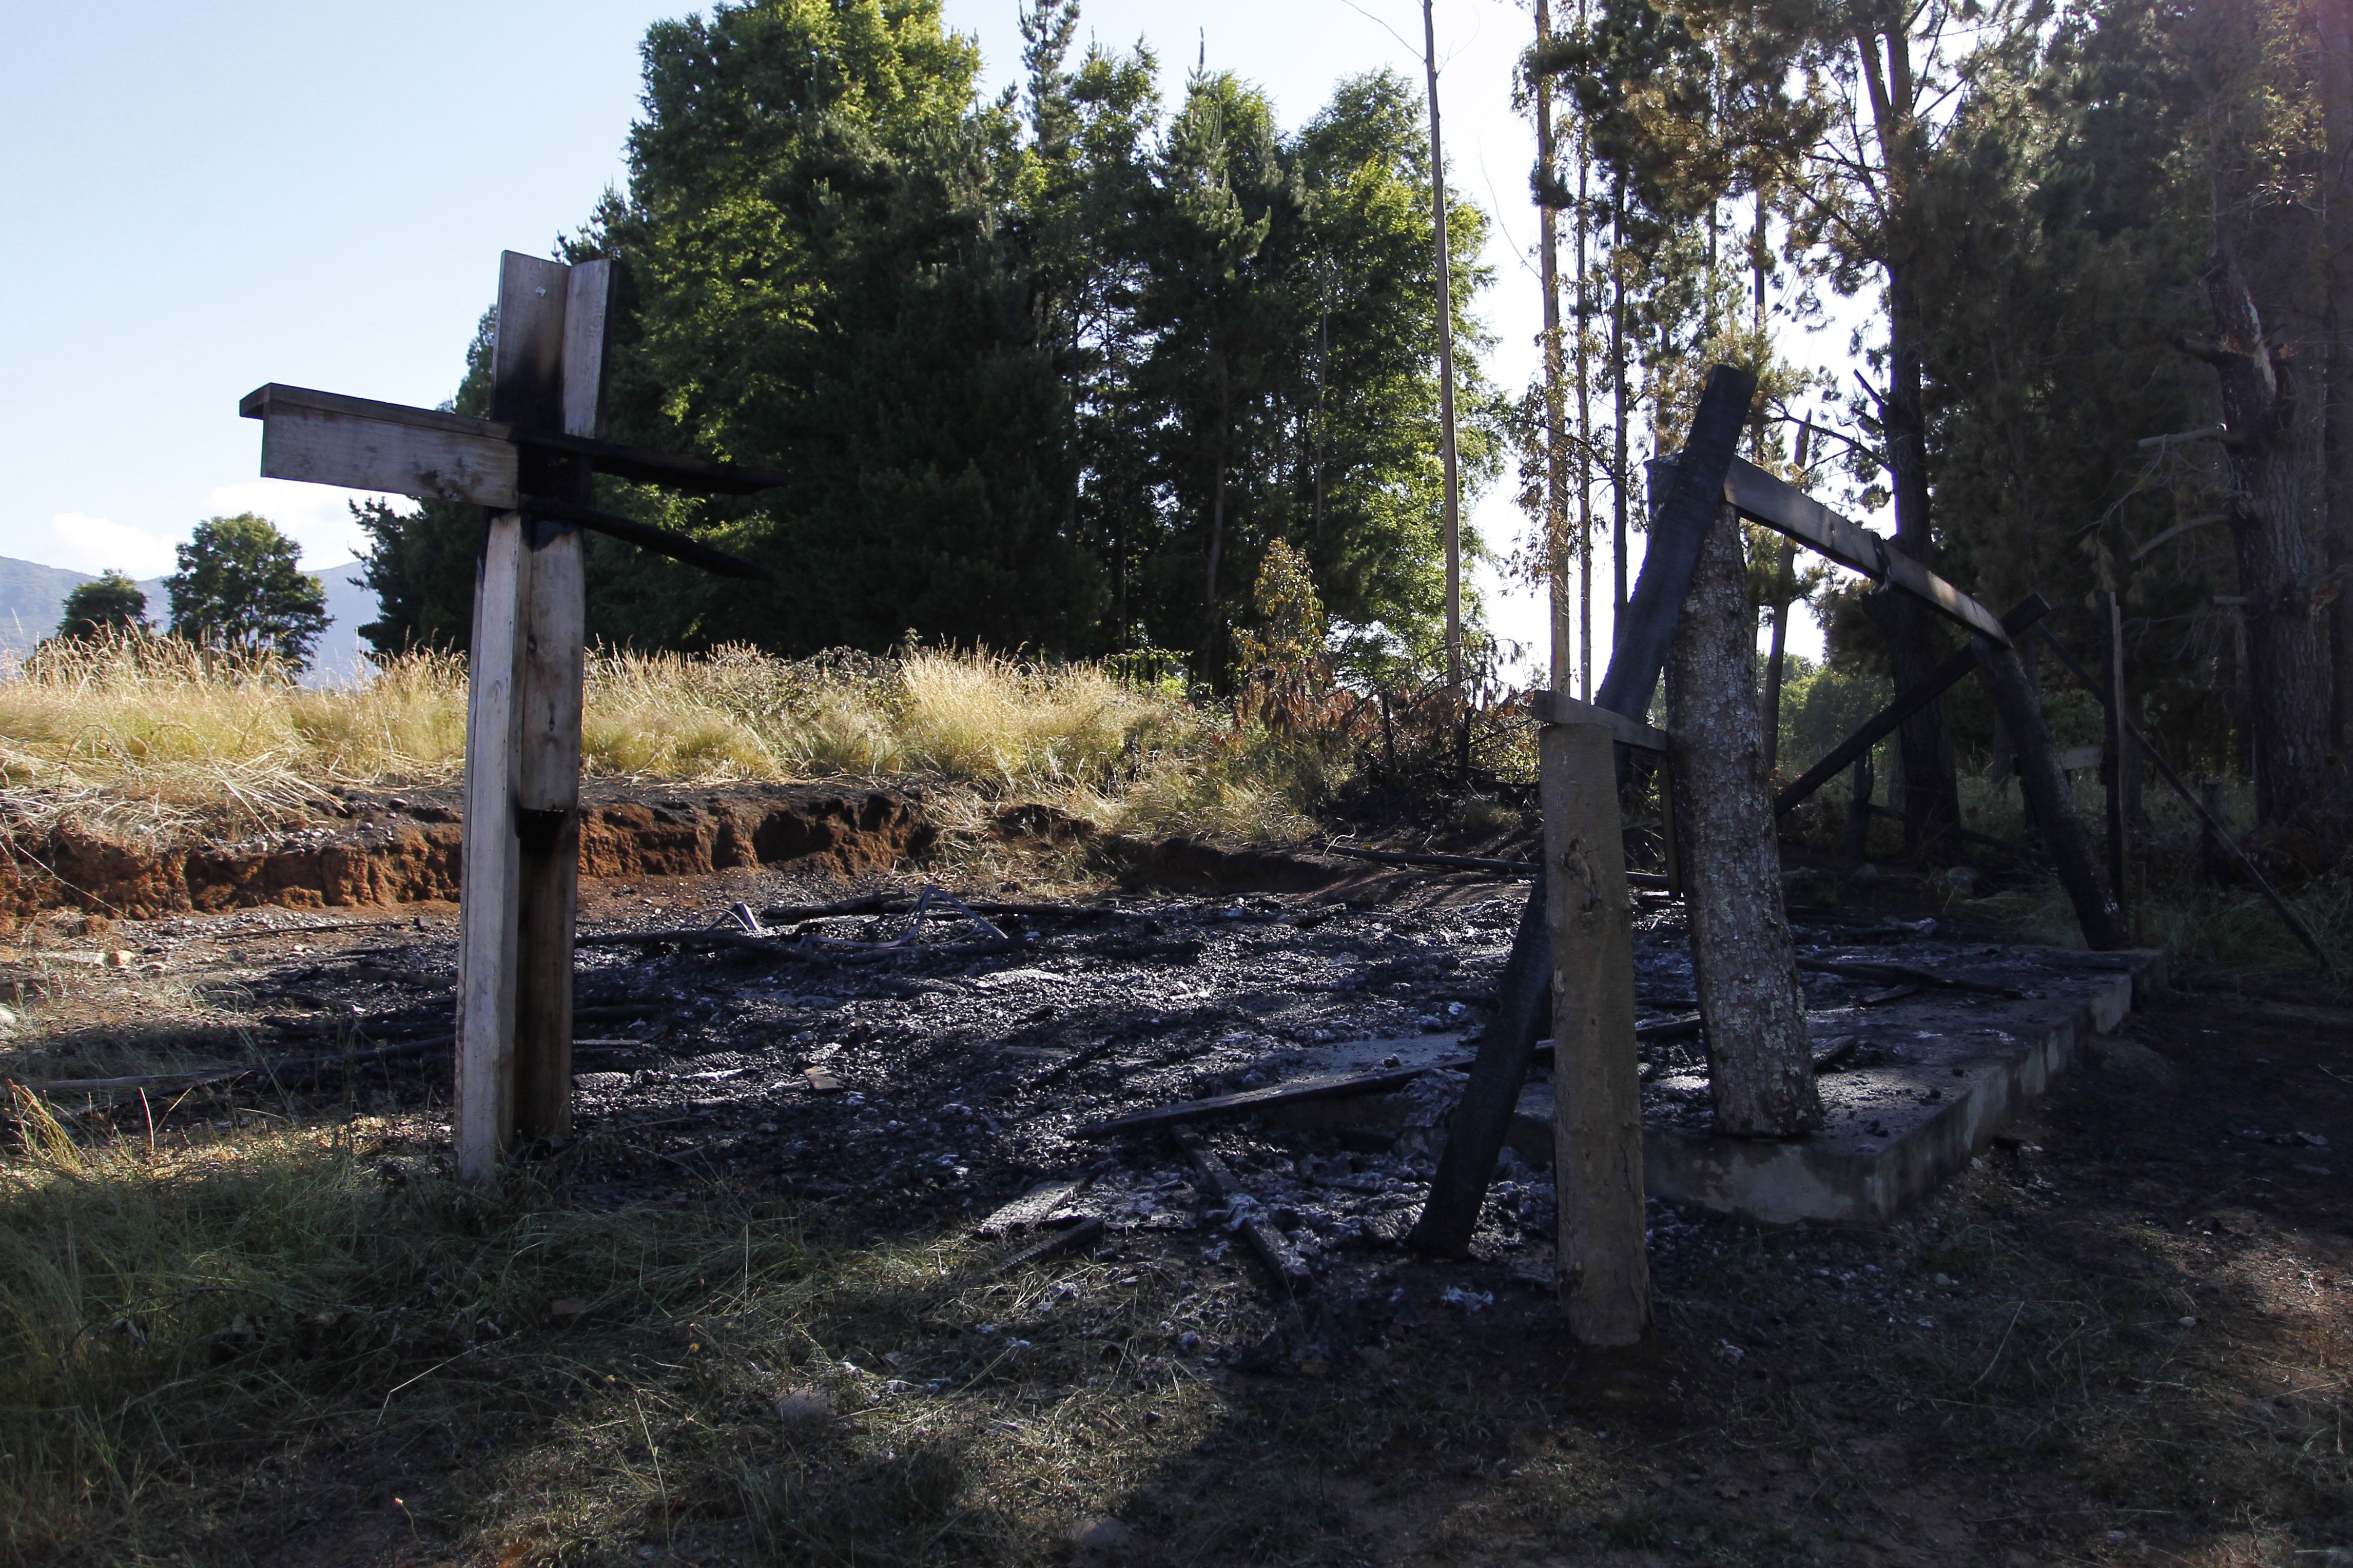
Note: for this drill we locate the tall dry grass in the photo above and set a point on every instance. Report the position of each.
(146, 734)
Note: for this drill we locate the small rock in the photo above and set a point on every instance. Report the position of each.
(1099, 1535)
(805, 1409)
(1731, 1353)
(821, 1081)
(118, 958)
(2188, 1322)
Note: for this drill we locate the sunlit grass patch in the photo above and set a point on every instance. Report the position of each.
(145, 734)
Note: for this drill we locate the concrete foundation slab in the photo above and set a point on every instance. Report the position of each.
(1924, 1083)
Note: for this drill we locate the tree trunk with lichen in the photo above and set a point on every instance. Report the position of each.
(1760, 1058)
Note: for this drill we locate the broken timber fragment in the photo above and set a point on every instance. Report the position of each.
(1327, 1086)
(1760, 1063)
(1605, 1272)
(1264, 1240)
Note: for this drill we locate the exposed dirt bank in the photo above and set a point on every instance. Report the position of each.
(392, 849)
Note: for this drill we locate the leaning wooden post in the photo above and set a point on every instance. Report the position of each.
(1760, 1063)
(1605, 1272)
(2049, 802)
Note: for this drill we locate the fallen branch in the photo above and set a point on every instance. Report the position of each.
(1087, 1230)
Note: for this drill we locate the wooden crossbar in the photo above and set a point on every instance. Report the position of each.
(324, 437)
(1787, 509)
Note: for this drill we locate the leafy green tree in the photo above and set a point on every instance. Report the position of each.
(1047, 371)
(109, 604)
(821, 280)
(240, 586)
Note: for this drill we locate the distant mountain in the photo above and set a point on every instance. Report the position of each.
(33, 600)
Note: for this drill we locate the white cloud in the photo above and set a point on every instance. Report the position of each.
(316, 517)
(80, 542)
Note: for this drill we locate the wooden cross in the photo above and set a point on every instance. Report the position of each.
(532, 463)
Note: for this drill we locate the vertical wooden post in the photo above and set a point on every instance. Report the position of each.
(547, 786)
(2113, 759)
(1605, 1272)
(484, 1094)
(513, 736)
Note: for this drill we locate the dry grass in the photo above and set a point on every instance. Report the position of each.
(144, 734)
(206, 1347)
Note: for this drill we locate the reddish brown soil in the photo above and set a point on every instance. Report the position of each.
(391, 850)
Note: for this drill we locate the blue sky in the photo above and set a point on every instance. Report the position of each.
(207, 198)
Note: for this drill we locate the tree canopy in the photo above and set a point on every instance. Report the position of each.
(109, 603)
(1053, 371)
(241, 586)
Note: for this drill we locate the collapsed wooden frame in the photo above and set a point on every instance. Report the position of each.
(1571, 961)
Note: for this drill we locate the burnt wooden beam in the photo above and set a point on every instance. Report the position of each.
(1888, 719)
(1762, 498)
(666, 541)
(316, 436)
(1672, 552)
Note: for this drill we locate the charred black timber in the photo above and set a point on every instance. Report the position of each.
(646, 536)
(1888, 719)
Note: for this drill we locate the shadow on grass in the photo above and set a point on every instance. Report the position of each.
(246, 1348)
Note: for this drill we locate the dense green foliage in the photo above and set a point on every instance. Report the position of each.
(109, 603)
(2040, 201)
(240, 585)
(1055, 370)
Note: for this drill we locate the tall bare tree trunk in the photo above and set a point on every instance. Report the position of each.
(1556, 552)
(1620, 477)
(2335, 70)
(1760, 1061)
(1932, 801)
(2287, 645)
(1213, 641)
(1584, 420)
(1445, 369)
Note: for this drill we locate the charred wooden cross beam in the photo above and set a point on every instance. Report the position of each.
(531, 464)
